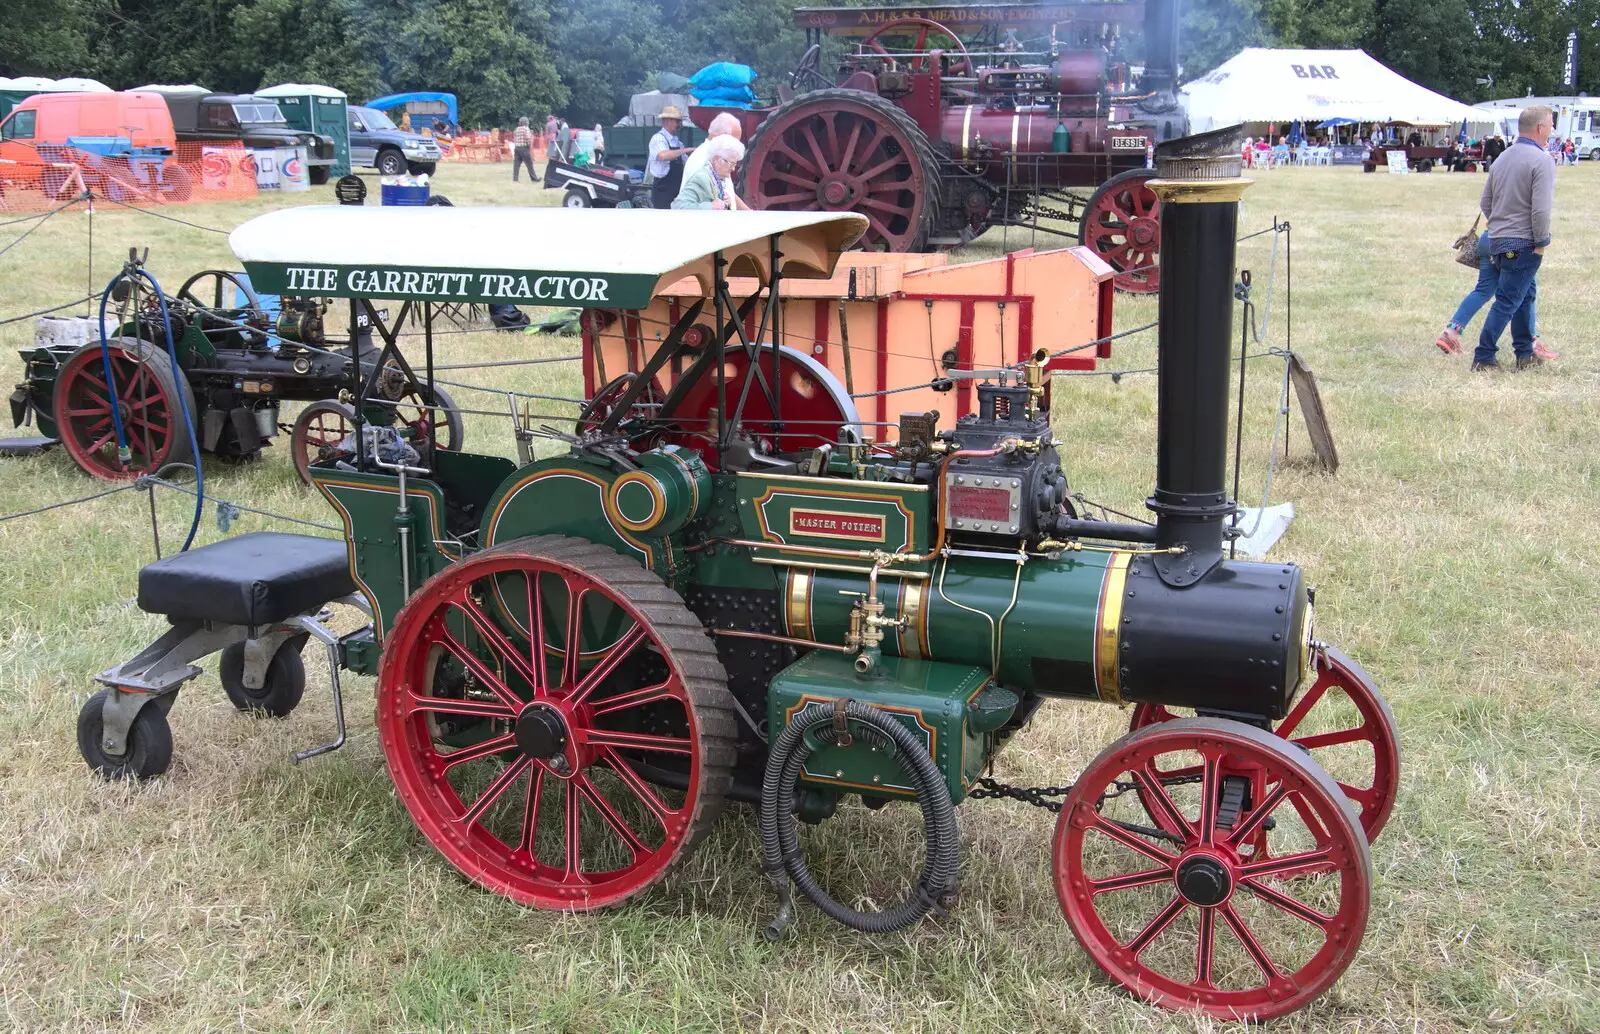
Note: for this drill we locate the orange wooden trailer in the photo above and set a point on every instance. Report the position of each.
(893, 321)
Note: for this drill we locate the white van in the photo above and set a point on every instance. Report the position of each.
(1576, 119)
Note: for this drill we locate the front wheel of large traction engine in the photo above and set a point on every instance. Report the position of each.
(1160, 880)
(150, 402)
(556, 721)
(1122, 225)
(282, 686)
(319, 431)
(148, 751)
(1343, 723)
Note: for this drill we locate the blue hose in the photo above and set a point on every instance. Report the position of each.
(123, 452)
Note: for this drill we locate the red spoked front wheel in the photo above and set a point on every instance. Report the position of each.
(1161, 881)
(556, 721)
(1345, 724)
(1122, 225)
(150, 403)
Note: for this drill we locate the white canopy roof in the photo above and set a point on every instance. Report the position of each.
(301, 90)
(172, 88)
(613, 258)
(1261, 85)
(38, 84)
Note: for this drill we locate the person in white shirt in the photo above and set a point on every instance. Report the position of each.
(725, 124)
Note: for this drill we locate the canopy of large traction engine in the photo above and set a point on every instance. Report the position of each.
(600, 258)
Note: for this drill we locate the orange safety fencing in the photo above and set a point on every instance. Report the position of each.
(195, 172)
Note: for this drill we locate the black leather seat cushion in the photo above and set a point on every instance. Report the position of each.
(256, 579)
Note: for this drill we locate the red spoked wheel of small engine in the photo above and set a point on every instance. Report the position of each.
(597, 409)
(433, 416)
(319, 431)
(149, 401)
(1345, 724)
(843, 150)
(538, 762)
(916, 56)
(1122, 224)
(1166, 893)
(812, 403)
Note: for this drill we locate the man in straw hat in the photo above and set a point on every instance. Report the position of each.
(666, 158)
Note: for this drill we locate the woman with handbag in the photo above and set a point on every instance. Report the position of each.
(1473, 250)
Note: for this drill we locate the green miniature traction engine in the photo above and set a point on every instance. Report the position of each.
(580, 659)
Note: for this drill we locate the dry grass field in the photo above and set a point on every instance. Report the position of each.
(1455, 557)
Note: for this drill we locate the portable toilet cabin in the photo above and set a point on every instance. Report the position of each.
(317, 109)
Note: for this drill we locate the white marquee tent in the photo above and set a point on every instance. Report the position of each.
(1261, 85)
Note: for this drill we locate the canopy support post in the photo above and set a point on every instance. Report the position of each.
(356, 381)
(719, 291)
(775, 304)
(427, 344)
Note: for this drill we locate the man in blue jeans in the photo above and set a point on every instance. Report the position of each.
(1517, 200)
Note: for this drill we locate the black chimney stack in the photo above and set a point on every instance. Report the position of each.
(1160, 45)
(1199, 188)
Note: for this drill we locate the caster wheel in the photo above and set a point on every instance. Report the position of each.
(149, 747)
(280, 691)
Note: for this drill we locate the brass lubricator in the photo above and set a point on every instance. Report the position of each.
(1033, 373)
(867, 620)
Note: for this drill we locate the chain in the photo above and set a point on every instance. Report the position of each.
(993, 789)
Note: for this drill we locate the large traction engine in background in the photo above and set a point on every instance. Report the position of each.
(935, 140)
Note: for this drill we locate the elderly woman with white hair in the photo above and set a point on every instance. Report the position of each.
(725, 124)
(711, 186)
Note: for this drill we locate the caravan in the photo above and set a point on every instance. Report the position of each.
(1576, 119)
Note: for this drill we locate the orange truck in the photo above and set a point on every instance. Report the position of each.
(120, 144)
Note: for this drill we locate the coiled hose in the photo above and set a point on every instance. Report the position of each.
(819, 725)
(177, 378)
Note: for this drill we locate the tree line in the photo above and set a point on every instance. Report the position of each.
(584, 58)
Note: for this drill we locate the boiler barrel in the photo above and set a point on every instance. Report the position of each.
(1089, 625)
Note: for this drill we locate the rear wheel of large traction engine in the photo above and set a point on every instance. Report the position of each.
(847, 151)
(149, 400)
(148, 750)
(535, 702)
(280, 691)
(318, 432)
(1166, 892)
(1342, 722)
(1122, 225)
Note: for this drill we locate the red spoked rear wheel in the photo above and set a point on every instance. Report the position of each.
(1122, 225)
(1344, 723)
(319, 431)
(149, 401)
(538, 764)
(1167, 893)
